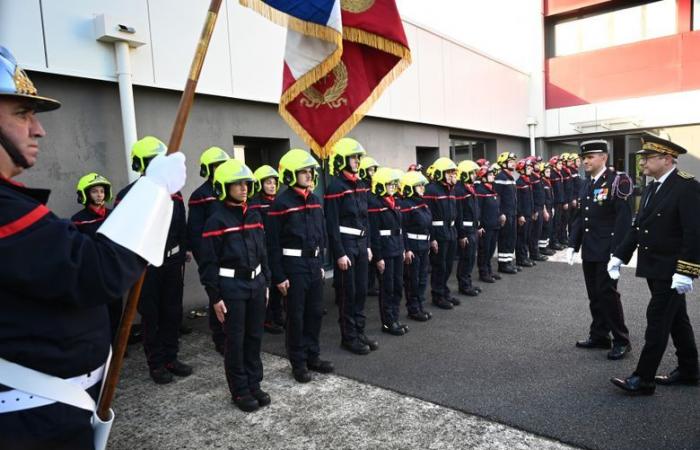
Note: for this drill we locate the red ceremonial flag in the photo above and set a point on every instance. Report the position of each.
(328, 88)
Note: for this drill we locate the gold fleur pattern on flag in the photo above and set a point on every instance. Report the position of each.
(332, 97)
(23, 84)
(356, 6)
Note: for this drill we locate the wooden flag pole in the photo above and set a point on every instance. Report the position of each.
(110, 384)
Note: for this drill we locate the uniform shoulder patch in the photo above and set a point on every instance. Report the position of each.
(686, 175)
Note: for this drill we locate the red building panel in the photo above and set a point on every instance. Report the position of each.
(554, 7)
(656, 66)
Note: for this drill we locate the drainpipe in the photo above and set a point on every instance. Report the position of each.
(126, 101)
(531, 124)
(124, 35)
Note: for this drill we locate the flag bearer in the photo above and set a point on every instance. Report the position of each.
(235, 275)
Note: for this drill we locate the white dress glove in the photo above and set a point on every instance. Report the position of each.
(570, 253)
(168, 171)
(614, 267)
(683, 284)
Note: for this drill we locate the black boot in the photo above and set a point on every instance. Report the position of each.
(394, 329)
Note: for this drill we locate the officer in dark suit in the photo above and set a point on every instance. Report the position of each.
(56, 281)
(665, 235)
(598, 227)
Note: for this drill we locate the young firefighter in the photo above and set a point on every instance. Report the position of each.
(235, 274)
(348, 231)
(416, 224)
(262, 195)
(441, 199)
(468, 222)
(296, 238)
(491, 221)
(505, 187)
(94, 191)
(526, 212)
(387, 247)
(559, 204)
(368, 166)
(538, 203)
(202, 205)
(548, 218)
(160, 304)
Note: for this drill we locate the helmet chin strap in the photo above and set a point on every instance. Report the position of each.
(14, 152)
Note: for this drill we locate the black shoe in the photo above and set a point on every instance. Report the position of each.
(442, 304)
(427, 313)
(454, 300)
(495, 276)
(547, 251)
(373, 292)
(525, 263)
(273, 328)
(470, 291)
(262, 397)
(419, 316)
(594, 343)
(487, 278)
(507, 268)
(371, 343)
(355, 346)
(676, 377)
(619, 351)
(179, 368)
(161, 375)
(404, 326)
(320, 366)
(634, 385)
(477, 288)
(302, 375)
(394, 329)
(540, 258)
(517, 269)
(246, 403)
(531, 261)
(185, 329)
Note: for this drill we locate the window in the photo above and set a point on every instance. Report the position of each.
(696, 14)
(623, 26)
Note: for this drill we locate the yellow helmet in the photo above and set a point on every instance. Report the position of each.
(144, 150)
(366, 163)
(260, 174)
(410, 180)
(293, 161)
(341, 151)
(430, 171)
(504, 157)
(382, 177)
(442, 165)
(209, 157)
(228, 172)
(564, 157)
(90, 180)
(465, 168)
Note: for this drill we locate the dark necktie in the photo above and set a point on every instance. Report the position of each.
(654, 188)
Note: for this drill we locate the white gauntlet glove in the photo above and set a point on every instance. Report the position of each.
(683, 284)
(614, 267)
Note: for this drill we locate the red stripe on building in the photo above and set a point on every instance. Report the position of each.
(23, 222)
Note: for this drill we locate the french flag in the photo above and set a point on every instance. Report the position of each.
(339, 58)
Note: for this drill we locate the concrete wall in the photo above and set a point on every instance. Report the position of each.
(448, 84)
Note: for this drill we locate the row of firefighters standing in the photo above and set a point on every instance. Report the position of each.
(260, 253)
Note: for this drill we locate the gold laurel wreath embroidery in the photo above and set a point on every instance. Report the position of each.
(356, 6)
(313, 98)
(23, 83)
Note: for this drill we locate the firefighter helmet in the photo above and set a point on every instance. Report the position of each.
(90, 180)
